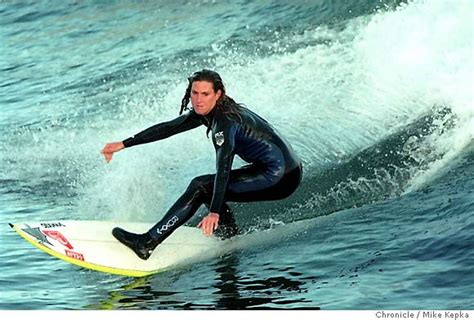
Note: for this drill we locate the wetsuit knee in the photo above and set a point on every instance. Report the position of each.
(202, 184)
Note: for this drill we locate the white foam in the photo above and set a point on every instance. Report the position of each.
(341, 91)
(354, 87)
(418, 57)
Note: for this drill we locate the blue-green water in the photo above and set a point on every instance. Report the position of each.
(375, 96)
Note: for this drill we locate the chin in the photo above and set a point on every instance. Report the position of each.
(201, 111)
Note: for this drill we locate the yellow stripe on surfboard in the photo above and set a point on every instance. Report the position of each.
(84, 264)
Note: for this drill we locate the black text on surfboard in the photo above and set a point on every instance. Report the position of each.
(52, 225)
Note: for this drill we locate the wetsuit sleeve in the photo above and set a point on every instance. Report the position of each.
(224, 142)
(164, 130)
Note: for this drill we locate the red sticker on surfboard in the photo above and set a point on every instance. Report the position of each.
(58, 236)
(74, 255)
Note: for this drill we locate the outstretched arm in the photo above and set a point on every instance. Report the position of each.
(159, 131)
(164, 130)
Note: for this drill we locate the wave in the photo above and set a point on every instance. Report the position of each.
(377, 105)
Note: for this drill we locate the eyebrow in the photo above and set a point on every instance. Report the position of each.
(195, 91)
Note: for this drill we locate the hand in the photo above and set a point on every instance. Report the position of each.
(209, 223)
(110, 148)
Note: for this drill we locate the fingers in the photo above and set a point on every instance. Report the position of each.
(108, 156)
(212, 226)
(209, 230)
(106, 149)
(208, 225)
(110, 149)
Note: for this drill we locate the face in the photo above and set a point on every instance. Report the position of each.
(203, 97)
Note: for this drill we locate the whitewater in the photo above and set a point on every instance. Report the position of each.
(376, 97)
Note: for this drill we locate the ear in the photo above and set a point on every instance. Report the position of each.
(219, 94)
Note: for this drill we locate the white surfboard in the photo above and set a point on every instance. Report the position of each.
(90, 244)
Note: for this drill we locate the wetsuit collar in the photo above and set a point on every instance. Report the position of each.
(210, 116)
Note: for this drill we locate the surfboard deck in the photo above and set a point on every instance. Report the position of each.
(90, 244)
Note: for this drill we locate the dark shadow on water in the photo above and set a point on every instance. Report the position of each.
(229, 290)
(237, 292)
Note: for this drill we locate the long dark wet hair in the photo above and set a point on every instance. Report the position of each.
(225, 103)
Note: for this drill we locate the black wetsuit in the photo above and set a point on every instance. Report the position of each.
(274, 171)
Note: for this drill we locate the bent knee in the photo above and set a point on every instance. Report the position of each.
(204, 183)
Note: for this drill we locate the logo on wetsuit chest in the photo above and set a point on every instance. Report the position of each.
(219, 136)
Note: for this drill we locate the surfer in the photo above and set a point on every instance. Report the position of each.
(274, 171)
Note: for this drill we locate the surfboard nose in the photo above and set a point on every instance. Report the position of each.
(11, 225)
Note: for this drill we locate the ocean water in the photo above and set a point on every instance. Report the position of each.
(375, 96)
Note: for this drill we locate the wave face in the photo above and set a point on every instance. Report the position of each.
(375, 96)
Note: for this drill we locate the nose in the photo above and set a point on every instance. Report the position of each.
(200, 103)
